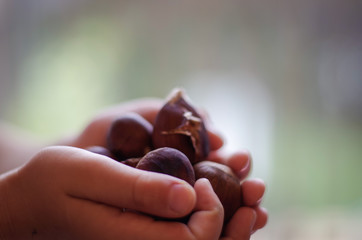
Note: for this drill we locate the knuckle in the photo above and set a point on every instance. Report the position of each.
(41, 157)
(138, 197)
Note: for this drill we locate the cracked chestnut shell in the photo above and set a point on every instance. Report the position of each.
(168, 161)
(178, 125)
(130, 136)
(225, 183)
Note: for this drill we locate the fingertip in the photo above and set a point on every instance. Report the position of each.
(241, 224)
(216, 140)
(181, 198)
(203, 182)
(206, 221)
(240, 162)
(206, 196)
(203, 185)
(261, 218)
(162, 195)
(252, 191)
(248, 216)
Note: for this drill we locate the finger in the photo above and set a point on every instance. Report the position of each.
(252, 192)
(261, 219)
(215, 139)
(146, 107)
(95, 133)
(99, 219)
(206, 223)
(241, 225)
(90, 220)
(239, 162)
(101, 179)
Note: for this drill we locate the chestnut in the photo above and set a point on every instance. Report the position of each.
(100, 150)
(132, 162)
(225, 184)
(168, 161)
(178, 125)
(130, 136)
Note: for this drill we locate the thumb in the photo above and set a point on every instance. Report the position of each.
(101, 179)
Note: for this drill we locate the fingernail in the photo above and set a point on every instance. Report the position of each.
(245, 170)
(205, 181)
(253, 221)
(181, 198)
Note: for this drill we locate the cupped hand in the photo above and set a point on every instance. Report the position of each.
(250, 215)
(95, 132)
(70, 193)
(248, 219)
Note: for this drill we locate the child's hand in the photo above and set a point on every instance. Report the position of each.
(70, 193)
(95, 132)
(249, 218)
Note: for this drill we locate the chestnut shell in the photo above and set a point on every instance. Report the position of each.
(168, 161)
(100, 150)
(225, 184)
(178, 125)
(132, 162)
(130, 136)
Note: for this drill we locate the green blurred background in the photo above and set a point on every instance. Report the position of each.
(280, 78)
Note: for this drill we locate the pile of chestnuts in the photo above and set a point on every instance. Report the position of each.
(176, 143)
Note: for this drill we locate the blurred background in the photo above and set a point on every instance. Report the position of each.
(280, 78)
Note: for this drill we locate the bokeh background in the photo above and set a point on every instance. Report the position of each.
(280, 78)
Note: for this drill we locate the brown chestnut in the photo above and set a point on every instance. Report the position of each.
(168, 161)
(100, 150)
(178, 125)
(132, 162)
(225, 184)
(129, 136)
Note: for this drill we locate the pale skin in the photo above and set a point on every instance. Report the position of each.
(65, 192)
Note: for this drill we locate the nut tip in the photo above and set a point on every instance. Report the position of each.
(177, 94)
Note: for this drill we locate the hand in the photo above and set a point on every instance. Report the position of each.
(50, 195)
(251, 216)
(248, 219)
(95, 132)
(70, 193)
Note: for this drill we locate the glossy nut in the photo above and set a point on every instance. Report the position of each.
(225, 184)
(132, 162)
(179, 125)
(168, 161)
(100, 150)
(129, 136)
